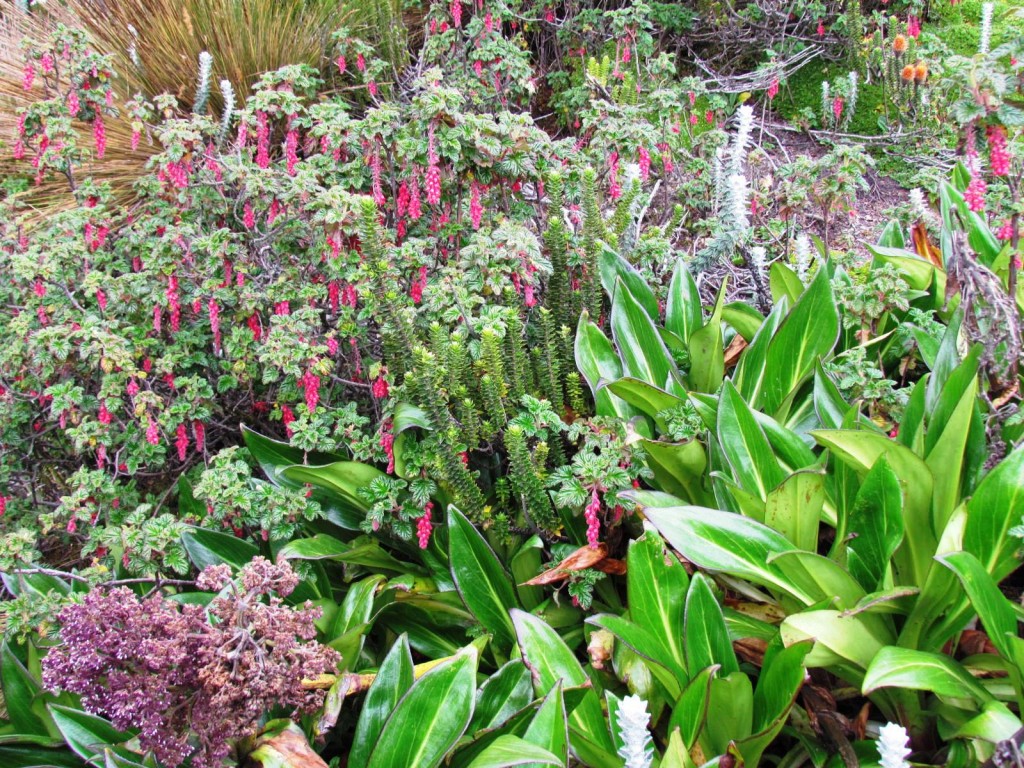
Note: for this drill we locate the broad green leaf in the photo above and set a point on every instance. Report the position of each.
(895, 667)
(707, 350)
(508, 750)
(861, 449)
(617, 273)
(995, 723)
(843, 644)
(430, 717)
(829, 404)
(643, 353)
(363, 551)
(744, 318)
(274, 456)
(750, 371)
(683, 313)
(525, 564)
(354, 613)
(25, 756)
(344, 478)
(504, 693)
(808, 333)
(997, 505)
(704, 634)
(875, 525)
(206, 547)
(993, 608)
(87, 735)
(819, 578)
(676, 753)
(919, 273)
(911, 431)
(794, 508)
(482, 581)
(753, 462)
(648, 646)
(691, 710)
(551, 660)
(549, 728)
(784, 283)
(678, 468)
(656, 585)
(730, 711)
(20, 690)
(647, 398)
(598, 362)
(778, 684)
(407, 416)
(725, 542)
(393, 680)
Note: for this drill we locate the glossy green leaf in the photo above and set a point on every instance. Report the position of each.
(691, 710)
(808, 333)
(829, 404)
(875, 525)
(508, 750)
(997, 505)
(784, 282)
(354, 613)
(430, 717)
(750, 371)
(344, 478)
(646, 398)
(907, 668)
(549, 728)
(615, 270)
(87, 735)
(683, 314)
(911, 431)
(482, 581)
(781, 677)
(656, 585)
(525, 564)
(704, 634)
(861, 449)
(206, 547)
(820, 579)
(707, 350)
(753, 462)
(993, 608)
(793, 508)
(725, 542)
(642, 351)
(393, 680)
(730, 711)
(363, 551)
(552, 661)
(25, 756)
(274, 456)
(597, 360)
(844, 644)
(648, 646)
(20, 690)
(504, 693)
(744, 318)
(678, 468)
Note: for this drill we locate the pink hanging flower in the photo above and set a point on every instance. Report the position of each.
(1005, 231)
(333, 297)
(101, 299)
(291, 149)
(287, 417)
(136, 137)
(104, 415)
(913, 26)
(3, 505)
(214, 313)
(255, 327)
(375, 173)
(433, 185)
(456, 11)
(99, 134)
(73, 104)
(974, 195)
(199, 433)
(174, 302)
(837, 107)
(311, 389)
(152, 432)
(379, 389)
(28, 76)
(415, 211)
(274, 210)
(342, 65)
(46, 62)
(593, 521)
(249, 215)
(132, 388)
(371, 87)
(821, 28)
(476, 209)
(478, 68)
(644, 160)
(773, 89)
(181, 441)
(360, 62)
(627, 53)
(157, 319)
(614, 190)
(423, 526)
(999, 153)
(262, 140)
(416, 289)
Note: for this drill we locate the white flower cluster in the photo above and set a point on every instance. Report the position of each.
(802, 258)
(986, 27)
(228, 94)
(892, 746)
(632, 719)
(852, 94)
(203, 84)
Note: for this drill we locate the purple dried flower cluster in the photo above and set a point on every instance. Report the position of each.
(193, 680)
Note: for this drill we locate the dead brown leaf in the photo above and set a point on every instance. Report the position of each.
(734, 350)
(584, 557)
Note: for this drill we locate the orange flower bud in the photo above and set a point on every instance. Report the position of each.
(921, 72)
(899, 44)
(908, 73)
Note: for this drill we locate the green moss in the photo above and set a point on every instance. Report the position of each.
(805, 92)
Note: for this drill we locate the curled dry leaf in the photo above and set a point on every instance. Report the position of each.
(584, 557)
